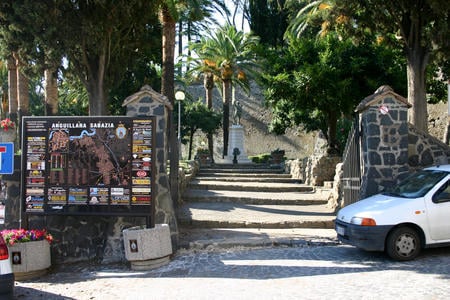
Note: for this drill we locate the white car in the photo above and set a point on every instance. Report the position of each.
(6, 274)
(415, 214)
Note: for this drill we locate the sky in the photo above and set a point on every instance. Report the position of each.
(238, 19)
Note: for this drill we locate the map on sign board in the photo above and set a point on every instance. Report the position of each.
(87, 164)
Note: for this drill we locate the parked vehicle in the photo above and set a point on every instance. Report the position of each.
(6, 274)
(413, 215)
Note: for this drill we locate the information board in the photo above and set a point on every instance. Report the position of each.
(88, 165)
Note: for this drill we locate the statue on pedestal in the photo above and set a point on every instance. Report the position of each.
(237, 112)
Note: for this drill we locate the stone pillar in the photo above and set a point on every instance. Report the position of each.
(384, 129)
(147, 102)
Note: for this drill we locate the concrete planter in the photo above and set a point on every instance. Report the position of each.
(30, 259)
(147, 248)
(7, 136)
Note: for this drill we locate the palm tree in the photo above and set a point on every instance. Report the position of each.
(169, 15)
(306, 15)
(227, 54)
(205, 68)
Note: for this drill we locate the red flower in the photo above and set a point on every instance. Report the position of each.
(7, 124)
(21, 235)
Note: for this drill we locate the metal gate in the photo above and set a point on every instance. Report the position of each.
(351, 179)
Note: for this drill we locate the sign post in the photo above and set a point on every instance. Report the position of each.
(6, 158)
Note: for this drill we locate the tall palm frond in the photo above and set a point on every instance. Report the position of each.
(310, 12)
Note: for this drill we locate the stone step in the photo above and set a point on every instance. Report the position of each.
(281, 178)
(238, 215)
(250, 186)
(246, 175)
(242, 171)
(204, 238)
(237, 166)
(249, 197)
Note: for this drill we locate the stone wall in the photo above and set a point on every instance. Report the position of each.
(315, 169)
(390, 147)
(425, 150)
(335, 197)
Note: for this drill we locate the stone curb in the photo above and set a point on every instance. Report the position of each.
(259, 243)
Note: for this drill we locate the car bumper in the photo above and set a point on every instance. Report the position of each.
(370, 238)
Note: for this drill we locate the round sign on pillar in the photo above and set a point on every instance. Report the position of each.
(384, 109)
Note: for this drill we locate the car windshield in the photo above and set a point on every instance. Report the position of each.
(417, 184)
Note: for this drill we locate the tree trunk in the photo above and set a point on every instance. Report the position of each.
(51, 93)
(191, 140)
(167, 89)
(95, 86)
(332, 127)
(96, 98)
(180, 45)
(226, 113)
(168, 55)
(12, 89)
(23, 97)
(417, 62)
(208, 83)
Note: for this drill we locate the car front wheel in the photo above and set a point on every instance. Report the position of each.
(403, 243)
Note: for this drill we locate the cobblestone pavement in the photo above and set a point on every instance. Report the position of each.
(320, 272)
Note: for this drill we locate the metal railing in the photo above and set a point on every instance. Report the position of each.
(351, 179)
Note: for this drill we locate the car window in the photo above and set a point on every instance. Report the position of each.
(443, 194)
(417, 184)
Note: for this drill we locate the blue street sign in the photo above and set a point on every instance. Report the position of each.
(6, 158)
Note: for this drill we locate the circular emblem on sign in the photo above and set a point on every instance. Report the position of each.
(121, 131)
(384, 109)
(141, 173)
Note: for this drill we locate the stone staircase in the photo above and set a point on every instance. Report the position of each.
(250, 202)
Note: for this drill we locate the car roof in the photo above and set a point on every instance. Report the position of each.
(440, 167)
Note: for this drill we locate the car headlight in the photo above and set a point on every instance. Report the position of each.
(363, 221)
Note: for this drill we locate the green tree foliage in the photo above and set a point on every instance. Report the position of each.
(34, 38)
(419, 27)
(197, 116)
(268, 20)
(101, 40)
(104, 35)
(73, 98)
(197, 17)
(317, 81)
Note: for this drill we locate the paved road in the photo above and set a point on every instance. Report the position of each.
(321, 272)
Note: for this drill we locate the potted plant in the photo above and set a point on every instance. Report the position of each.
(277, 156)
(30, 251)
(7, 130)
(203, 155)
